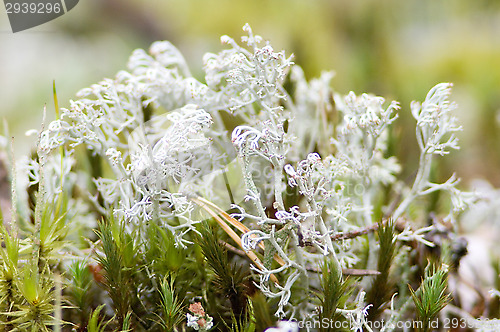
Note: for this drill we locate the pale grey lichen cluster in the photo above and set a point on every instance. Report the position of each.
(282, 141)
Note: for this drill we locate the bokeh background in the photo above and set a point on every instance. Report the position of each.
(393, 48)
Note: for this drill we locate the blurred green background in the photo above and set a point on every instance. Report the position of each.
(393, 48)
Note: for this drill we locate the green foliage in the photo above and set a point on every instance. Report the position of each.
(9, 252)
(244, 325)
(119, 262)
(34, 312)
(230, 280)
(332, 293)
(80, 289)
(96, 323)
(261, 312)
(381, 289)
(54, 228)
(172, 315)
(432, 296)
(9, 294)
(127, 322)
(161, 254)
(30, 260)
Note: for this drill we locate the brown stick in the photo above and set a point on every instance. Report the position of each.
(232, 249)
(355, 233)
(352, 272)
(399, 225)
(360, 272)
